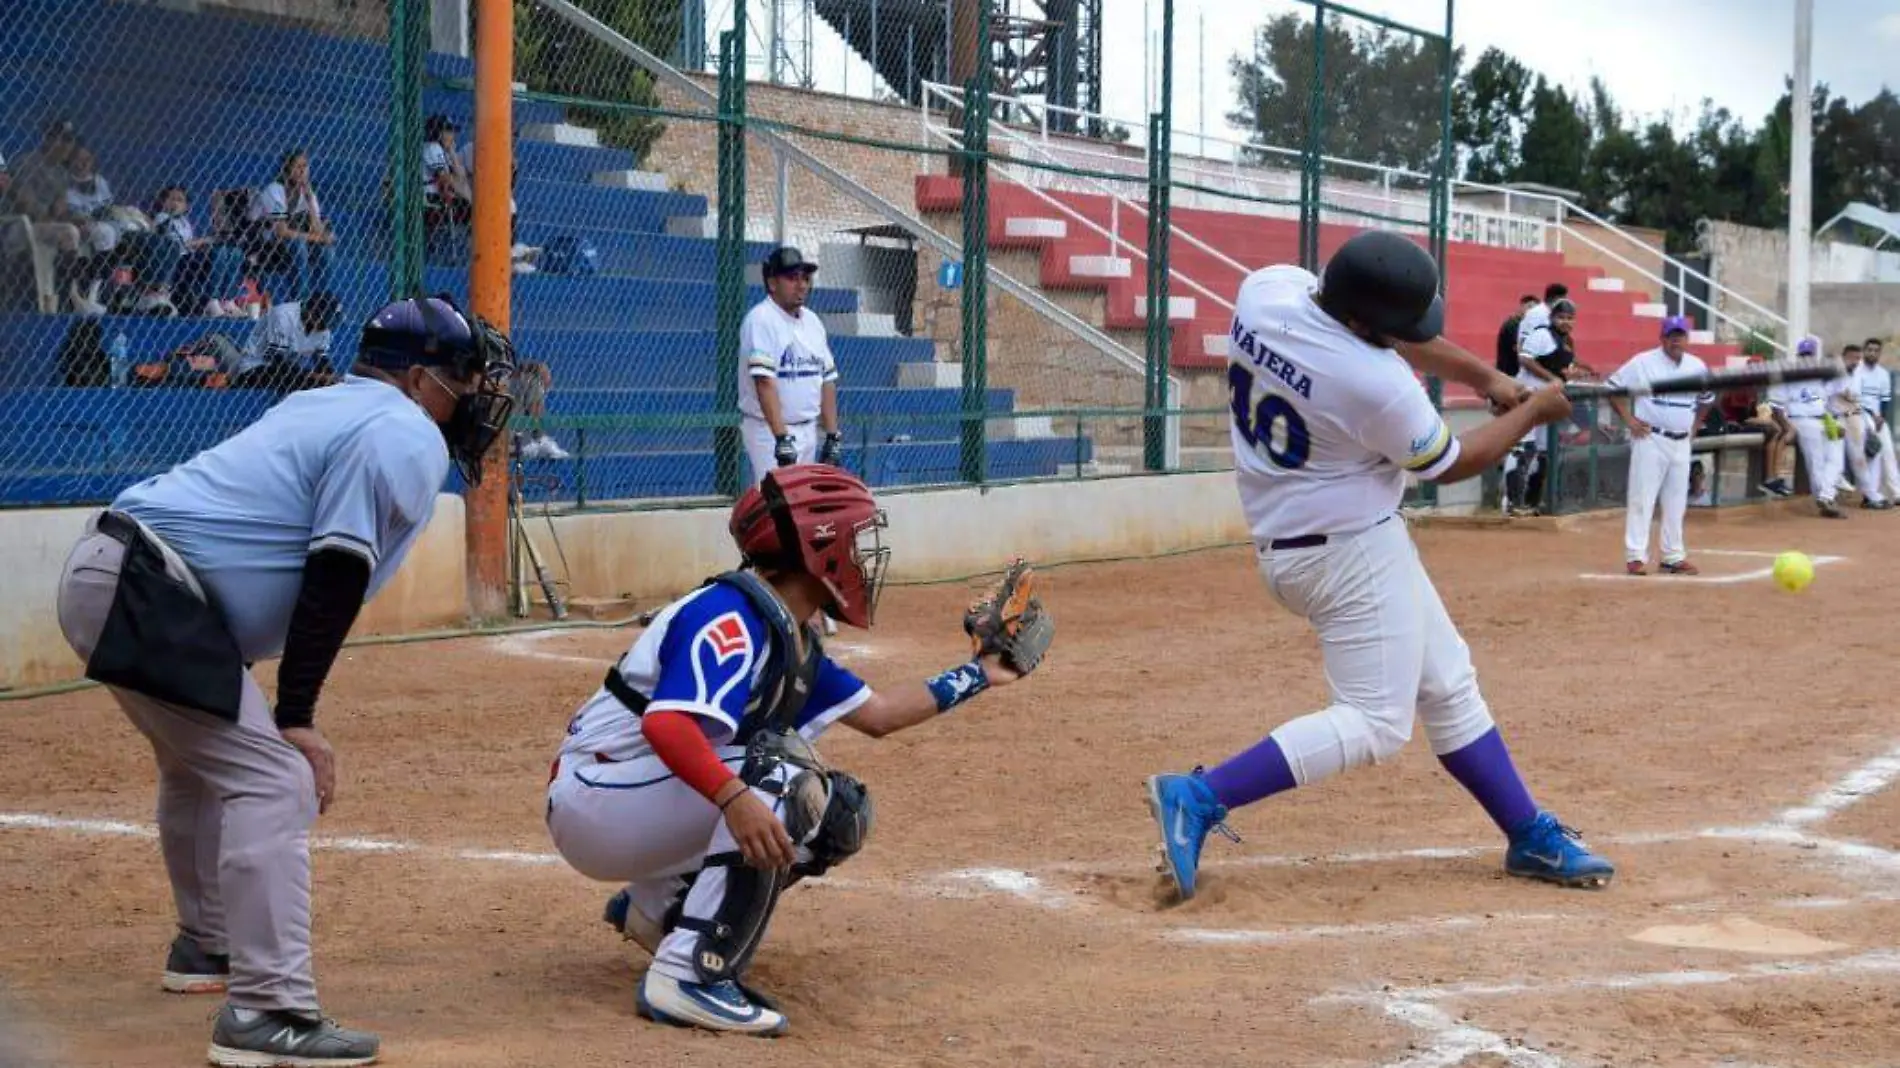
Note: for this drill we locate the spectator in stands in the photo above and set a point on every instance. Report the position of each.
(93, 208)
(289, 348)
(1507, 335)
(447, 190)
(180, 269)
(296, 239)
(523, 256)
(530, 385)
(38, 191)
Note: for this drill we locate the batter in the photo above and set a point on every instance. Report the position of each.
(1329, 418)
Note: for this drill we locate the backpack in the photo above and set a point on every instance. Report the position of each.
(1507, 345)
(570, 255)
(82, 355)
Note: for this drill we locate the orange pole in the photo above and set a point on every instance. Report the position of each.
(489, 279)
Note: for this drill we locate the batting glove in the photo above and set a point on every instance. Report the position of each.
(786, 451)
(833, 447)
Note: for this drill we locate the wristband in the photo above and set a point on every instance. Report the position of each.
(736, 795)
(958, 685)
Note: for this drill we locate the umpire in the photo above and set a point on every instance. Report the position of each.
(265, 544)
(788, 381)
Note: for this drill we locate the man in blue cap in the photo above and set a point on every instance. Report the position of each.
(1661, 429)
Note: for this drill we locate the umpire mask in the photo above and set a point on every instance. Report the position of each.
(481, 415)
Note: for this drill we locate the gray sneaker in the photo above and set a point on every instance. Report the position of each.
(276, 1038)
(190, 970)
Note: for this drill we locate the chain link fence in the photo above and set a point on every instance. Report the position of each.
(1010, 285)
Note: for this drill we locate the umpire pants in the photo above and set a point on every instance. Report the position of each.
(235, 805)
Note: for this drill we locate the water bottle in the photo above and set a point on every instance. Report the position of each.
(121, 354)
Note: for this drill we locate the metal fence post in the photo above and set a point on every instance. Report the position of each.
(1315, 148)
(973, 452)
(407, 47)
(729, 292)
(1154, 425)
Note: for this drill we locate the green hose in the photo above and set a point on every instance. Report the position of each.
(53, 689)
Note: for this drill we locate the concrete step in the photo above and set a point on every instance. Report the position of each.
(1180, 309)
(1607, 285)
(862, 324)
(1101, 266)
(1032, 227)
(933, 375)
(1654, 310)
(561, 133)
(644, 181)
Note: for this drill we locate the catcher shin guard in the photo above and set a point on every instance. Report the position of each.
(728, 939)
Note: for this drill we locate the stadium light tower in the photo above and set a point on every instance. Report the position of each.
(1801, 172)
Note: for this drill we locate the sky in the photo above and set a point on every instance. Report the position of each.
(1657, 56)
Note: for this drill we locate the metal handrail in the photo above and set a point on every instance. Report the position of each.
(666, 73)
(1686, 296)
(1114, 238)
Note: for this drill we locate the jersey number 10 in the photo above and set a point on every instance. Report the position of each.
(1271, 418)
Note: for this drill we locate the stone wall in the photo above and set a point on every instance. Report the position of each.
(1648, 257)
(1842, 312)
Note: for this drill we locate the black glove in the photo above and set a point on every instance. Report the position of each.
(786, 450)
(829, 452)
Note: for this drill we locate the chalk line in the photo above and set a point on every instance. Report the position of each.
(1315, 932)
(1863, 782)
(1755, 575)
(1875, 962)
(1451, 1042)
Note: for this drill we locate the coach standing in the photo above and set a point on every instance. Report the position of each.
(1660, 431)
(788, 382)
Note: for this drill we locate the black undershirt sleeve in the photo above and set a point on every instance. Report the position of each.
(334, 581)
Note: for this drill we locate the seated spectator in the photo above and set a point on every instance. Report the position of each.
(38, 192)
(295, 238)
(289, 348)
(523, 256)
(179, 269)
(447, 191)
(530, 385)
(90, 205)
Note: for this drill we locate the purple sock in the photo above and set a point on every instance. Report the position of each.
(1484, 767)
(1261, 771)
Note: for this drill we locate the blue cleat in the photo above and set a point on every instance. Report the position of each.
(721, 1006)
(1542, 848)
(1185, 810)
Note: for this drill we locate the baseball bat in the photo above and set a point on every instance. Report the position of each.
(1751, 376)
(556, 602)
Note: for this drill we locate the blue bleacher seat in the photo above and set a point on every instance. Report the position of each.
(220, 104)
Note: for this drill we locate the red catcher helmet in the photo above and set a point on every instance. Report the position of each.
(820, 520)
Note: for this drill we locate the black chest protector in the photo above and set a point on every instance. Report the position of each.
(785, 684)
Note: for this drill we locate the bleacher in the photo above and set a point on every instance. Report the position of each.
(216, 99)
(1483, 282)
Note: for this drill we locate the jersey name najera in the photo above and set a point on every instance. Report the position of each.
(1264, 358)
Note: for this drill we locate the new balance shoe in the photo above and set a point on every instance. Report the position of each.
(190, 970)
(1680, 567)
(1542, 848)
(278, 1038)
(722, 1006)
(632, 923)
(1185, 810)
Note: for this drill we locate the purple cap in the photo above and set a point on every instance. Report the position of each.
(1675, 324)
(1808, 346)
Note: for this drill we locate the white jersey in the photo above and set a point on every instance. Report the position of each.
(1535, 316)
(794, 352)
(1876, 388)
(1671, 414)
(703, 655)
(1799, 400)
(1325, 426)
(1539, 343)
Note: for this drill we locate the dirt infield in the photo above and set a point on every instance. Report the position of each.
(1726, 743)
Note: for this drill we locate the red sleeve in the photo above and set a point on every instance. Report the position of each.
(680, 744)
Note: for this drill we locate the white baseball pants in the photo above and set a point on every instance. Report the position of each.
(1866, 475)
(1811, 437)
(1391, 653)
(1659, 475)
(1886, 466)
(633, 822)
(759, 444)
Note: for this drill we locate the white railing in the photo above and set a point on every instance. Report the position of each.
(1026, 177)
(1529, 221)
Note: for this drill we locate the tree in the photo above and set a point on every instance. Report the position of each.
(1382, 94)
(1487, 116)
(1556, 144)
(556, 57)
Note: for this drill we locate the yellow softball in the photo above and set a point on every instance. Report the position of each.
(1793, 571)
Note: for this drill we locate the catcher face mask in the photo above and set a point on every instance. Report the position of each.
(854, 594)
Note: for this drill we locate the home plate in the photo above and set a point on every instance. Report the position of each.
(1738, 934)
(1766, 571)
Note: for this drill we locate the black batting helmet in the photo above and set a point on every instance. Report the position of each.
(1386, 284)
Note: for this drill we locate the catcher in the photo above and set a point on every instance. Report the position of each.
(690, 774)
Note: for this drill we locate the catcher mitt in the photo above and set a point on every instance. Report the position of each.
(1010, 621)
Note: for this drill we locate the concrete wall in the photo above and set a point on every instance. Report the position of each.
(428, 593)
(1839, 313)
(1754, 263)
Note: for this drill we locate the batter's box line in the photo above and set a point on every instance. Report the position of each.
(1710, 580)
